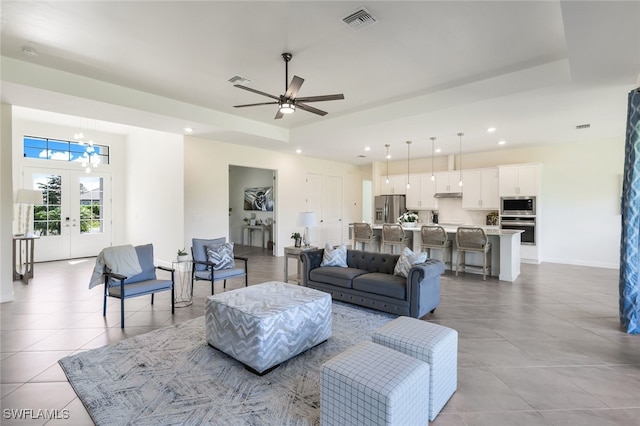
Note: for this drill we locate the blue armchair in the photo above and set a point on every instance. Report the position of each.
(146, 282)
(221, 269)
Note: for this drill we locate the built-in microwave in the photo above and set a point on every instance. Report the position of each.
(518, 206)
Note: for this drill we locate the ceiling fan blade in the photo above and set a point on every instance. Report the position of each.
(279, 115)
(256, 91)
(292, 91)
(337, 97)
(311, 109)
(250, 105)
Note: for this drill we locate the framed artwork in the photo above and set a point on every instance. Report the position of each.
(260, 199)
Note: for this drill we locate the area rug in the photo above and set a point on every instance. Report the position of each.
(171, 376)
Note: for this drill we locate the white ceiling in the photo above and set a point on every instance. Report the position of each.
(534, 70)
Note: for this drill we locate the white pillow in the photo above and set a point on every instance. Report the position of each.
(335, 256)
(407, 259)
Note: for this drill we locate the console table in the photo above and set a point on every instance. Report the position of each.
(23, 269)
(264, 229)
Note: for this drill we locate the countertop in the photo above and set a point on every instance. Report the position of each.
(451, 228)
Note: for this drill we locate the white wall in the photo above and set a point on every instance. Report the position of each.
(6, 205)
(207, 187)
(241, 178)
(579, 210)
(155, 192)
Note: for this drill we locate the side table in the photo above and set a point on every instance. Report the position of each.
(182, 289)
(294, 253)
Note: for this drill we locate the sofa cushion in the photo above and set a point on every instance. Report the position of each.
(407, 259)
(335, 275)
(382, 284)
(335, 256)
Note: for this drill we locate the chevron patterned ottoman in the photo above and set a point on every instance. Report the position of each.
(370, 384)
(265, 324)
(432, 343)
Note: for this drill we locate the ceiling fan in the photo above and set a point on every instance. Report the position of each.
(288, 102)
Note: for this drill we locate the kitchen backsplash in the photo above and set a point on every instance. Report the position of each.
(450, 211)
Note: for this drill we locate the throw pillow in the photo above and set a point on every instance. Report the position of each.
(221, 255)
(406, 261)
(335, 256)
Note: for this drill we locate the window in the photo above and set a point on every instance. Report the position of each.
(59, 150)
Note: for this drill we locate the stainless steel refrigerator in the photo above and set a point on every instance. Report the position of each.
(388, 208)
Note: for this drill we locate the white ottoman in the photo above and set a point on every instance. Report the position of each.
(431, 343)
(265, 324)
(369, 384)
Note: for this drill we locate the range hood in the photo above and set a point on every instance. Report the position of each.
(447, 195)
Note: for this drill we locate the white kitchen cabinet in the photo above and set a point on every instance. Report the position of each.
(397, 185)
(519, 180)
(420, 195)
(448, 181)
(480, 189)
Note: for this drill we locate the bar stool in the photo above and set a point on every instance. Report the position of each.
(435, 237)
(393, 235)
(475, 240)
(363, 233)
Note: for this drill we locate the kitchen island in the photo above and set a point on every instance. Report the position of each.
(505, 248)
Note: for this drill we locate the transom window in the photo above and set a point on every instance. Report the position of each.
(61, 150)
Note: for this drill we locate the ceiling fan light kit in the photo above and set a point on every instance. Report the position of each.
(289, 102)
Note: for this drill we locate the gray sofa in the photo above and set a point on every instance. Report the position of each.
(369, 281)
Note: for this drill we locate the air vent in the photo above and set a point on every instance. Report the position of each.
(236, 79)
(583, 126)
(360, 19)
(362, 156)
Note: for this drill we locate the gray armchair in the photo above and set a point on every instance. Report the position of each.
(146, 282)
(207, 270)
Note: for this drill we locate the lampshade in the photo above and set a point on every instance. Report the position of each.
(287, 108)
(307, 219)
(29, 196)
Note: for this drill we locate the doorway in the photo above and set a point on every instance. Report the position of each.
(252, 207)
(74, 219)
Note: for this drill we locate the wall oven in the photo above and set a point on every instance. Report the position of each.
(526, 224)
(518, 206)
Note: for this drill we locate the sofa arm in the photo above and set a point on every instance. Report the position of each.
(310, 259)
(423, 285)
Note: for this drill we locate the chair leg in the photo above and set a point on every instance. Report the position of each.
(173, 300)
(212, 287)
(104, 306)
(224, 284)
(152, 294)
(121, 312)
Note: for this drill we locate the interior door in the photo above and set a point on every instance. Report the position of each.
(74, 219)
(333, 229)
(315, 201)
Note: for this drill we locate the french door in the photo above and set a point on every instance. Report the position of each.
(324, 197)
(74, 219)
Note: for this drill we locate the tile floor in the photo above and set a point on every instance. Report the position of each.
(545, 350)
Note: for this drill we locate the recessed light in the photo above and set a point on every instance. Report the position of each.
(388, 156)
(298, 151)
(491, 129)
(29, 51)
(438, 149)
(367, 148)
(188, 129)
(502, 142)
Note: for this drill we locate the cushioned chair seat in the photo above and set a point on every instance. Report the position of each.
(336, 275)
(220, 273)
(140, 288)
(382, 284)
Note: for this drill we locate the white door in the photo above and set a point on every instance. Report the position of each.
(75, 217)
(314, 198)
(333, 229)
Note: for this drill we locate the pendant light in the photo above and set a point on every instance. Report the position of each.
(433, 144)
(387, 146)
(408, 159)
(460, 181)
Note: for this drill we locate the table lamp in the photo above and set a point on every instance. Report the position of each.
(307, 219)
(28, 197)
